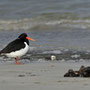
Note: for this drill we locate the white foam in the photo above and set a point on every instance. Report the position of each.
(29, 23)
(54, 52)
(75, 56)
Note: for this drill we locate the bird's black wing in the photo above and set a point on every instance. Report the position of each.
(13, 46)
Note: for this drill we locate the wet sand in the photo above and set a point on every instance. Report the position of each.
(42, 76)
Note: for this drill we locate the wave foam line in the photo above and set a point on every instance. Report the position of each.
(30, 23)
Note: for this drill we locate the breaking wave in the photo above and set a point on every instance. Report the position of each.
(46, 21)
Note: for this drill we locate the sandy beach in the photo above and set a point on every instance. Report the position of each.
(42, 76)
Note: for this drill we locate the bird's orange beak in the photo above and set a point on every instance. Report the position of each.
(30, 38)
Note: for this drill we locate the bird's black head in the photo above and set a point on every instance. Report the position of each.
(23, 36)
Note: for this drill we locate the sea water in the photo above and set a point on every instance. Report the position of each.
(54, 24)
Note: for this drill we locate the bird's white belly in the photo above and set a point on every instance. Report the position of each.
(20, 52)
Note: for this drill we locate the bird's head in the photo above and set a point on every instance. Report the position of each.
(24, 36)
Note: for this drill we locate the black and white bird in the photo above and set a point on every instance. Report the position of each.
(17, 48)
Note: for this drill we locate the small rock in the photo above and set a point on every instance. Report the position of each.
(53, 57)
(21, 75)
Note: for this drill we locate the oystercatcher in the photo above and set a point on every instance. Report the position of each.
(17, 48)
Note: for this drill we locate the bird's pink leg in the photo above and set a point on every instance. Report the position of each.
(17, 60)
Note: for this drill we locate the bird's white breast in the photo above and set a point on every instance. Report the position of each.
(20, 52)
